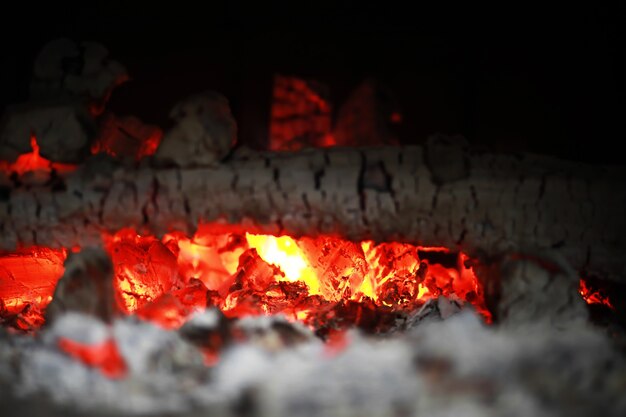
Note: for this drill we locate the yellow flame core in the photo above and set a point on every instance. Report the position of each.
(421, 291)
(285, 253)
(368, 287)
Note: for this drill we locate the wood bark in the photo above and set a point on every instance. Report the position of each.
(481, 203)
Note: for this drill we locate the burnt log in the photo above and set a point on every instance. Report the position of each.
(495, 204)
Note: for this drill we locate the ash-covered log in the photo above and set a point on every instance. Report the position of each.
(483, 203)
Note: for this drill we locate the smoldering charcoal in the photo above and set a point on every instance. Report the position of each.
(180, 270)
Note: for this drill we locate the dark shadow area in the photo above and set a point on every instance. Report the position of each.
(544, 80)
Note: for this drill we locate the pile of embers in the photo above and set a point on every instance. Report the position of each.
(235, 322)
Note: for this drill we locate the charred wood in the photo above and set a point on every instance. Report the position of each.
(502, 203)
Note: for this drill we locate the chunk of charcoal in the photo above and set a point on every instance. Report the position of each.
(86, 286)
(170, 310)
(63, 131)
(205, 132)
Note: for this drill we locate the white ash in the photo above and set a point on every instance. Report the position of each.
(539, 288)
(207, 319)
(148, 348)
(433, 310)
(367, 378)
(205, 131)
(46, 369)
(543, 370)
(162, 368)
(81, 328)
(500, 352)
(259, 324)
(92, 75)
(458, 366)
(63, 129)
(448, 306)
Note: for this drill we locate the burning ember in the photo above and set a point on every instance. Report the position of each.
(326, 282)
(300, 115)
(33, 161)
(316, 280)
(104, 356)
(593, 295)
(126, 137)
(27, 281)
(120, 138)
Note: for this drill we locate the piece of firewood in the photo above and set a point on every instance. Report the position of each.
(494, 204)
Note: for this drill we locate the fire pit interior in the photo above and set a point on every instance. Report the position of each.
(296, 256)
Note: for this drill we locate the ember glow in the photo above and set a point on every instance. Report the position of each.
(326, 282)
(284, 252)
(104, 356)
(322, 281)
(593, 295)
(27, 281)
(300, 115)
(33, 162)
(126, 137)
(114, 145)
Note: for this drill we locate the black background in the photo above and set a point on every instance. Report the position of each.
(548, 79)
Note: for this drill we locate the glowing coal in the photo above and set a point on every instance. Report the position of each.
(325, 282)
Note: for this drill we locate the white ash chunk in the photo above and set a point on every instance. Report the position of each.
(538, 288)
(448, 307)
(433, 310)
(209, 319)
(163, 369)
(148, 348)
(272, 333)
(81, 328)
(458, 366)
(63, 131)
(205, 131)
(511, 371)
(67, 68)
(440, 308)
(368, 378)
(86, 286)
(64, 380)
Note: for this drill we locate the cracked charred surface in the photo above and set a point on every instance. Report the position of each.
(525, 289)
(504, 202)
